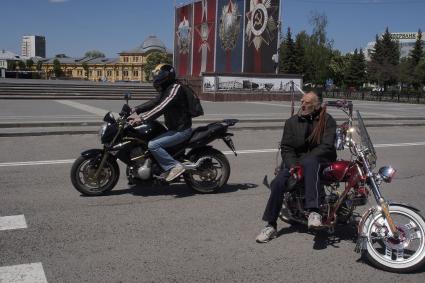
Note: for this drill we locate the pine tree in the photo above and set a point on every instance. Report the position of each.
(417, 52)
(299, 53)
(415, 57)
(287, 55)
(383, 67)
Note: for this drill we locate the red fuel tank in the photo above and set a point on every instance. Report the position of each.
(335, 171)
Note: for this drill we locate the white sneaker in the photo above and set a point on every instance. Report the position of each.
(175, 172)
(268, 233)
(314, 220)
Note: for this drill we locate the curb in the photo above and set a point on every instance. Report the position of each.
(197, 122)
(235, 128)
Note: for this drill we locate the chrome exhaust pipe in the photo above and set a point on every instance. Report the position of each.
(193, 166)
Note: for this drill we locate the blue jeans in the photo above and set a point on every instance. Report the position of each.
(168, 139)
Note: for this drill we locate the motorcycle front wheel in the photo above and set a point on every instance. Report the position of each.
(403, 254)
(83, 175)
(211, 175)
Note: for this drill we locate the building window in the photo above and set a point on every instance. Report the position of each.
(125, 59)
(117, 73)
(90, 72)
(99, 73)
(125, 73)
(109, 73)
(135, 59)
(135, 73)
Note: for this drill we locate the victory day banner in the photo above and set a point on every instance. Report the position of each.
(230, 18)
(183, 40)
(203, 37)
(261, 35)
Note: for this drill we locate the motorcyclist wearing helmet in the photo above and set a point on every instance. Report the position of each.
(172, 103)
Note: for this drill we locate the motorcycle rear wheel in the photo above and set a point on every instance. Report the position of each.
(82, 175)
(402, 255)
(211, 175)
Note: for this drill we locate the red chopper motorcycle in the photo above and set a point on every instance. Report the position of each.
(390, 234)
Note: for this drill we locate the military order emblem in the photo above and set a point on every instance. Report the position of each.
(184, 35)
(261, 24)
(229, 25)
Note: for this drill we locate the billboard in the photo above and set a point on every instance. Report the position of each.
(226, 36)
(203, 37)
(183, 35)
(261, 35)
(229, 36)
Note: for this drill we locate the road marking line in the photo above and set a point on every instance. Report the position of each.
(12, 222)
(248, 151)
(23, 273)
(46, 162)
(84, 107)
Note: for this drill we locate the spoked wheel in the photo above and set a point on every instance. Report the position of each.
(403, 254)
(83, 175)
(211, 175)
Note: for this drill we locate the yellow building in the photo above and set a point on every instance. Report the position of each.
(128, 67)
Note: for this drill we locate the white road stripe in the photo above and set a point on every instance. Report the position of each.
(23, 273)
(12, 223)
(46, 162)
(94, 110)
(248, 151)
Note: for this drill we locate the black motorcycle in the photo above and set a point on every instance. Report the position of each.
(96, 171)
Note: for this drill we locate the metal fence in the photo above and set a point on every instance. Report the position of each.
(417, 97)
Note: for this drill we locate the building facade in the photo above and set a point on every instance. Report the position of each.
(33, 46)
(406, 41)
(129, 66)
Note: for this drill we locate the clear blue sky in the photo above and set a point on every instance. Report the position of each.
(111, 26)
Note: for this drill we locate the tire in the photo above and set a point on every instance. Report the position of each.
(211, 175)
(83, 167)
(395, 255)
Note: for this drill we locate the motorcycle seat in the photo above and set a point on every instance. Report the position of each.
(206, 134)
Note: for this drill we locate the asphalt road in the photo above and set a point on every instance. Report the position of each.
(93, 110)
(170, 234)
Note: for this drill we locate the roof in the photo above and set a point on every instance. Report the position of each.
(152, 43)
(8, 55)
(81, 60)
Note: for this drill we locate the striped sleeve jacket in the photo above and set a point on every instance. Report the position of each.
(171, 103)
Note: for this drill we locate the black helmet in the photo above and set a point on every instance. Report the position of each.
(163, 76)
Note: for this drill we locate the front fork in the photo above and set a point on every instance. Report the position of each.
(102, 162)
(383, 206)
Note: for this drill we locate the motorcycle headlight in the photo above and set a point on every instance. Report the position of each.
(102, 130)
(386, 173)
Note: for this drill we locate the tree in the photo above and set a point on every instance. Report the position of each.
(385, 58)
(86, 69)
(57, 70)
(356, 71)
(21, 65)
(94, 53)
(417, 52)
(337, 67)
(11, 65)
(287, 55)
(152, 61)
(419, 72)
(415, 57)
(318, 51)
(30, 64)
(301, 41)
(39, 65)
